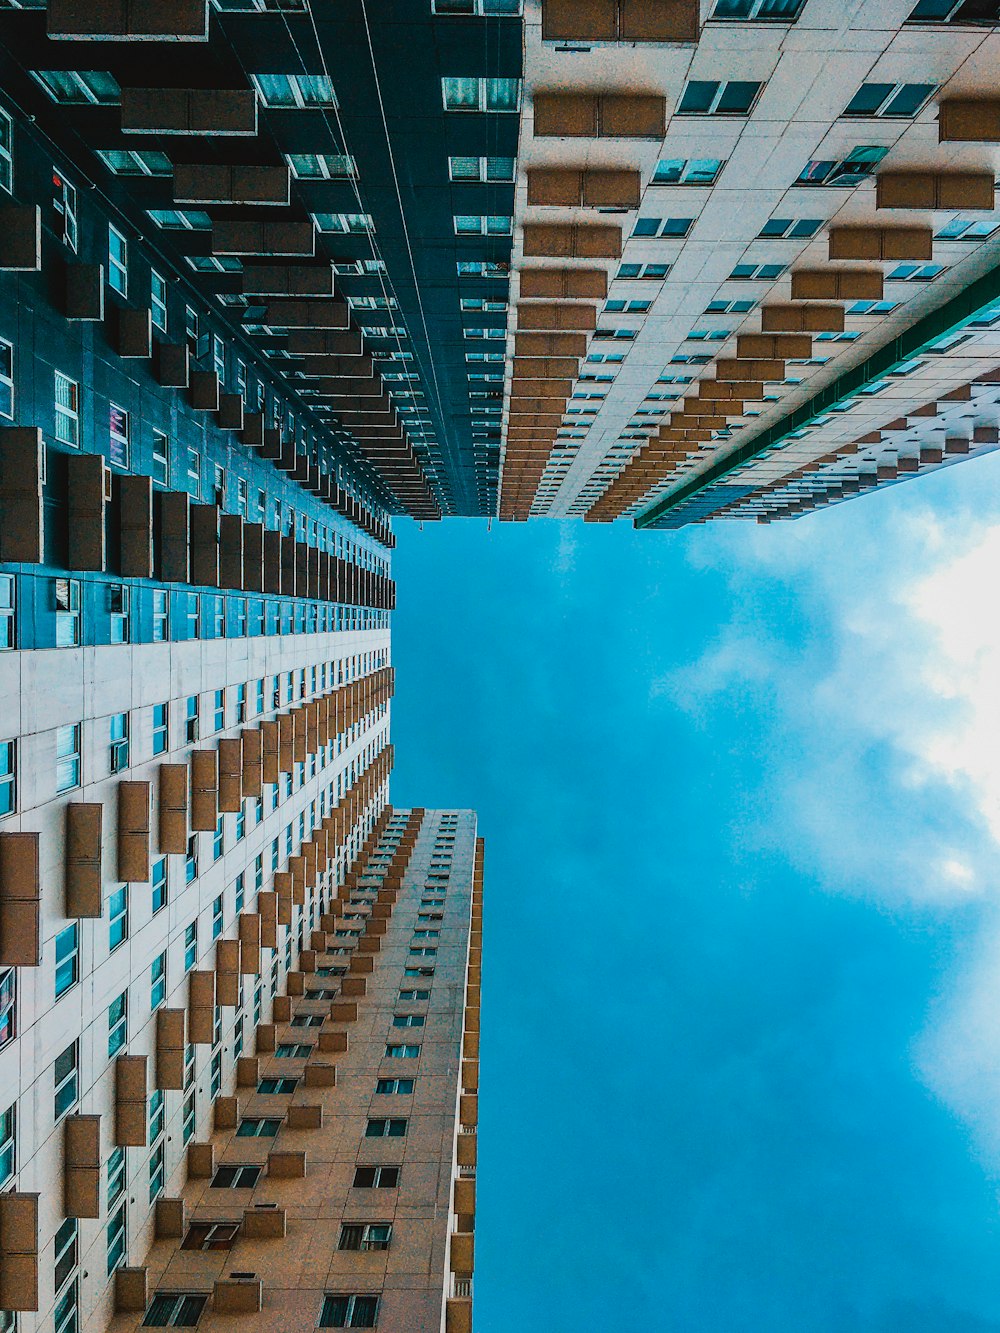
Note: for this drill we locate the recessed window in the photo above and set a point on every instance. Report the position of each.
(117, 918)
(397, 1051)
(158, 300)
(322, 166)
(79, 86)
(66, 1081)
(158, 970)
(354, 223)
(849, 171)
(890, 100)
(475, 224)
(67, 410)
(761, 11)
(348, 1312)
(376, 1177)
(211, 1236)
(286, 91)
(388, 1087)
(791, 229)
(175, 1309)
(687, 171)
(288, 1050)
(117, 1024)
(67, 959)
(119, 435)
(8, 777)
(986, 12)
(6, 153)
(914, 272)
(179, 219)
(236, 1177)
(6, 379)
(748, 272)
(118, 738)
(703, 97)
(258, 1128)
(129, 162)
(67, 757)
(627, 307)
(481, 268)
(481, 94)
(365, 1236)
(277, 1086)
(481, 168)
(666, 227)
(643, 272)
(385, 1129)
(8, 1144)
(967, 229)
(485, 8)
(729, 307)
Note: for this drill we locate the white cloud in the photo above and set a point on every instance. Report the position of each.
(892, 668)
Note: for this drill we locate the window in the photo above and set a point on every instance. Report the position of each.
(309, 1020)
(67, 757)
(643, 272)
(900, 100)
(158, 300)
(117, 262)
(118, 918)
(65, 1076)
(408, 1020)
(175, 1309)
(118, 737)
(763, 11)
(481, 168)
(116, 1177)
(157, 1171)
(851, 170)
(956, 11)
(157, 1114)
(626, 307)
(728, 308)
(217, 917)
(277, 1086)
(414, 995)
(161, 617)
(478, 268)
(294, 1050)
(705, 98)
(473, 224)
(365, 1236)
(211, 1235)
(118, 431)
(376, 1177)
(117, 1024)
(8, 1143)
(6, 153)
(746, 272)
(265, 1128)
(6, 379)
(161, 728)
(322, 166)
(133, 162)
(158, 974)
(385, 1129)
(966, 229)
(190, 946)
(118, 612)
(8, 1005)
(8, 777)
(481, 94)
(789, 228)
(662, 226)
(175, 219)
(70, 85)
(914, 272)
(349, 1312)
(681, 171)
(395, 1051)
(285, 91)
(191, 709)
(67, 405)
(236, 1177)
(344, 222)
(67, 958)
(480, 7)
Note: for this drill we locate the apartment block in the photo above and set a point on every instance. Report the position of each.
(755, 265)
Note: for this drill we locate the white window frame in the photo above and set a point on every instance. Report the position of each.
(158, 300)
(117, 265)
(66, 415)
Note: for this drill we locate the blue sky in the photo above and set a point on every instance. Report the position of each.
(740, 789)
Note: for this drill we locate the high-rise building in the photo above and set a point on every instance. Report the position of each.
(664, 259)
